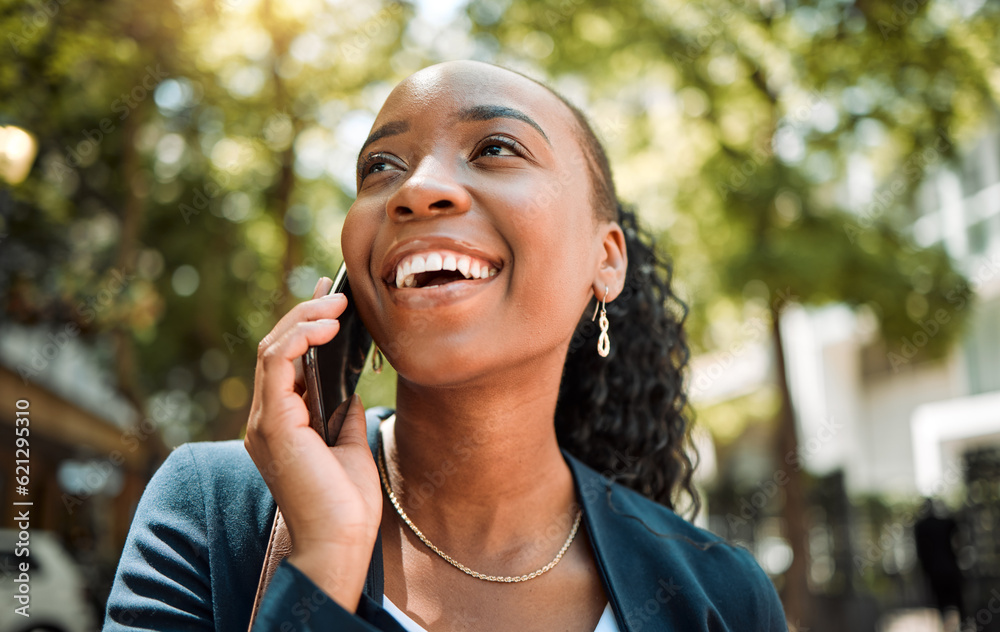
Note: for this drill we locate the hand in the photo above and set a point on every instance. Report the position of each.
(330, 498)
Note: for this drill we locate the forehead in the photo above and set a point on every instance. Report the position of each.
(442, 92)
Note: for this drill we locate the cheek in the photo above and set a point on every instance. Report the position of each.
(552, 225)
(552, 240)
(356, 239)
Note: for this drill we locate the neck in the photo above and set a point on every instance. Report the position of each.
(478, 466)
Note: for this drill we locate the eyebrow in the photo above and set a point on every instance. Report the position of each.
(389, 129)
(488, 112)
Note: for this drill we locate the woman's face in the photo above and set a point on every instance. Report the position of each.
(474, 175)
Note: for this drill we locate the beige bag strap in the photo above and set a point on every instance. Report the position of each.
(279, 545)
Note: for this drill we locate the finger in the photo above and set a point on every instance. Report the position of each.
(300, 375)
(335, 423)
(323, 287)
(276, 362)
(326, 307)
(355, 428)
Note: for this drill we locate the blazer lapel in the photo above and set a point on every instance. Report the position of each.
(618, 549)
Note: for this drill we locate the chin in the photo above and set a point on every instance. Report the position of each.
(434, 363)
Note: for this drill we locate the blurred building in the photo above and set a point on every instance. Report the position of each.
(89, 453)
(905, 426)
(896, 425)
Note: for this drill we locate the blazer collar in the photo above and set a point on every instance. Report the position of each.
(593, 491)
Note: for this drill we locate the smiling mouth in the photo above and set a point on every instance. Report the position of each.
(440, 267)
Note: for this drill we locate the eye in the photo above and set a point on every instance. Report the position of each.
(499, 146)
(376, 163)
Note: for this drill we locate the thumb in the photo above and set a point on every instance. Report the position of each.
(355, 428)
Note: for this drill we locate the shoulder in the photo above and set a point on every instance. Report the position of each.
(207, 458)
(200, 530)
(662, 530)
(215, 485)
(216, 465)
(703, 577)
(224, 479)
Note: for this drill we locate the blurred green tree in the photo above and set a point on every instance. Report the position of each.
(196, 158)
(741, 127)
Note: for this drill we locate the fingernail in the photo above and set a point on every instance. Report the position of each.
(337, 295)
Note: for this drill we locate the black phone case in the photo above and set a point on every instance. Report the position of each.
(332, 370)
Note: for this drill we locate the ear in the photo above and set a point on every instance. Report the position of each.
(612, 263)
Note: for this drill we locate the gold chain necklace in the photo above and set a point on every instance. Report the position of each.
(462, 567)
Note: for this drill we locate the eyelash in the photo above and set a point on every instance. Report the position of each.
(370, 161)
(503, 141)
(507, 143)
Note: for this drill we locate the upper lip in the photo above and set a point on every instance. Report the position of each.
(430, 243)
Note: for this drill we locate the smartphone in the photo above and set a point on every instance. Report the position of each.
(332, 370)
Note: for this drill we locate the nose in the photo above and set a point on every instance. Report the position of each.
(431, 190)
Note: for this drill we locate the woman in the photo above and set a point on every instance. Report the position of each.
(510, 423)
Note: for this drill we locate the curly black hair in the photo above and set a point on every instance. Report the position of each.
(627, 415)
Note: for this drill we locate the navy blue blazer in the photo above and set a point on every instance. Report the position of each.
(196, 546)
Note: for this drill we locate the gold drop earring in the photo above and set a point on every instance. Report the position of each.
(604, 341)
(377, 360)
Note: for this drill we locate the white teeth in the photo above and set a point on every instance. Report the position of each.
(434, 262)
(470, 267)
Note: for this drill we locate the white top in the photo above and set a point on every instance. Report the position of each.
(607, 622)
